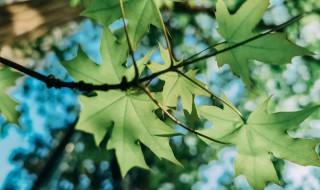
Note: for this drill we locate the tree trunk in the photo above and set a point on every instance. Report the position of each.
(33, 18)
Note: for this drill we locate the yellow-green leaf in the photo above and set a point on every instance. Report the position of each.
(176, 86)
(140, 14)
(273, 48)
(131, 118)
(128, 116)
(262, 136)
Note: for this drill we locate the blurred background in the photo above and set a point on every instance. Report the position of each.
(47, 152)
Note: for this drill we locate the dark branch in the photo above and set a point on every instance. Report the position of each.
(52, 82)
(186, 8)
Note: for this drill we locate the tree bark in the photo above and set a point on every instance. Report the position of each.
(32, 19)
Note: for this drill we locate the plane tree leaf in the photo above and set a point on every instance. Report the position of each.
(140, 14)
(114, 55)
(176, 86)
(262, 136)
(7, 104)
(129, 116)
(273, 48)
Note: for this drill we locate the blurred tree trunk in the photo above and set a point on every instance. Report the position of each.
(33, 18)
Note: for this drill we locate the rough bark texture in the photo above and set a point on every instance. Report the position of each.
(33, 18)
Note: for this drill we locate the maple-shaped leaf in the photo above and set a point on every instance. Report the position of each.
(128, 115)
(114, 56)
(176, 86)
(139, 14)
(7, 105)
(262, 136)
(273, 48)
(132, 120)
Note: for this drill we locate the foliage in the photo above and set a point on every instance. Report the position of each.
(106, 12)
(232, 29)
(123, 109)
(99, 112)
(176, 86)
(259, 138)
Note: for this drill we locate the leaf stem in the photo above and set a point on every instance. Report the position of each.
(136, 70)
(146, 90)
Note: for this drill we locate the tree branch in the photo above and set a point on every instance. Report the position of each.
(186, 8)
(32, 19)
(53, 82)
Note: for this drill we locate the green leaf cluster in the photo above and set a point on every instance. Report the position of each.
(127, 116)
(261, 137)
(273, 48)
(177, 86)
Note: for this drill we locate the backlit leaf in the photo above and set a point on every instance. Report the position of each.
(140, 14)
(262, 136)
(273, 48)
(128, 115)
(176, 86)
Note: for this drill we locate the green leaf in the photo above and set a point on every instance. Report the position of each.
(134, 122)
(166, 3)
(114, 57)
(273, 48)
(7, 105)
(139, 13)
(130, 115)
(263, 135)
(176, 86)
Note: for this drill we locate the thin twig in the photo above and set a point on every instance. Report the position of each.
(210, 47)
(148, 82)
(184, 63)
(136, 70)
(146, 90)
(212, 94)
(294, 19)
(165, 35)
